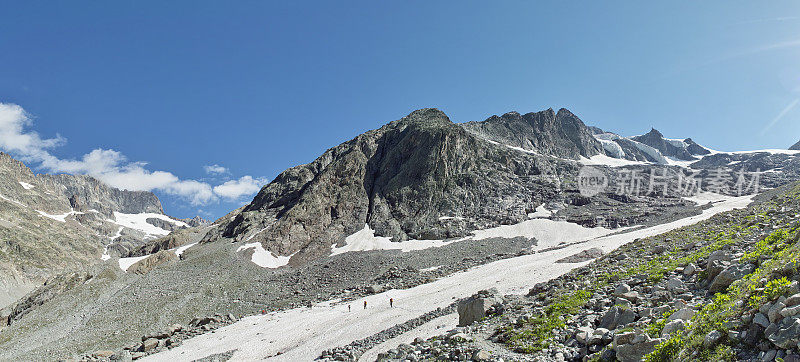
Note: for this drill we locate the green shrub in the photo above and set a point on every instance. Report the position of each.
(667, 351)
(774, 289)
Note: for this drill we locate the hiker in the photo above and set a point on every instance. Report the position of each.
(391, 303)
(348, 307)
(365, 304)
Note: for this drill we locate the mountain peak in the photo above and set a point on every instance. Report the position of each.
(560, 134)
(426, 115)
(654, 133)
(796, 146)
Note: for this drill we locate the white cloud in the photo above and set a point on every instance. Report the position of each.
(111, 166)
(235, 189)
(215, 169)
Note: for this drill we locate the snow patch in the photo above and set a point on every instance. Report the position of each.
(25, 185)
(603, 160)
(105, 255)
(139, 222)
(443, 218)
(650, 151)
(180, 250)
(707, 197)
(540, 212)
(365, 240)
(61, 217)
(424, 270)
(264, 258)
(12, 201)
(125, 263)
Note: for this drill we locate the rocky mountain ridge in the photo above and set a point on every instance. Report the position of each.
(424, 177)
(55, 223)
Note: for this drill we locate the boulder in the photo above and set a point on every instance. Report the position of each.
(676, 285)
(583, 333)
(793, 300)
(477, 307)
(636, 351)
(174, 329)
(683, 314)
(149, 345)
(103, 354)
(689, 270)
(712, 338)
(672, 327)
(774, 312)
(730, 275)
(718, 255)
(790, 311)
(715, 268)
(761, 320)
(787, 335)
(621, 289)
(481, 355)
(617, 316)
(375, 289)
(201, 321)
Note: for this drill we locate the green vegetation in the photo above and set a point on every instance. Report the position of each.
(774, 289)
(654, 329)
(666, 351)
(536, 331)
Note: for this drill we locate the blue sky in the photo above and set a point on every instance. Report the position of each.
(256, 87)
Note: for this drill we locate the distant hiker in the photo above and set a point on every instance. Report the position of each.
(391, 303)
(365, 304)
(348, 307)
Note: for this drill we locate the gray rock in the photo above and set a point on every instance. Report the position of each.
(787, 335)
(583, 333)
(676, 285)
(672, 327)
(712, 338)
(476, 308)
(621, 289)
(635, 352)
(792, 300)
(774, 312)
(481, 355)
(761, 320)
(730, 275)
(617, 316)
(682, 314)
(790, 311)
(149, 345)
(689, 270)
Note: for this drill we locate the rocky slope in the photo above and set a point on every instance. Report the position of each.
(796, 146)
(725, 289)
(56, 223)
